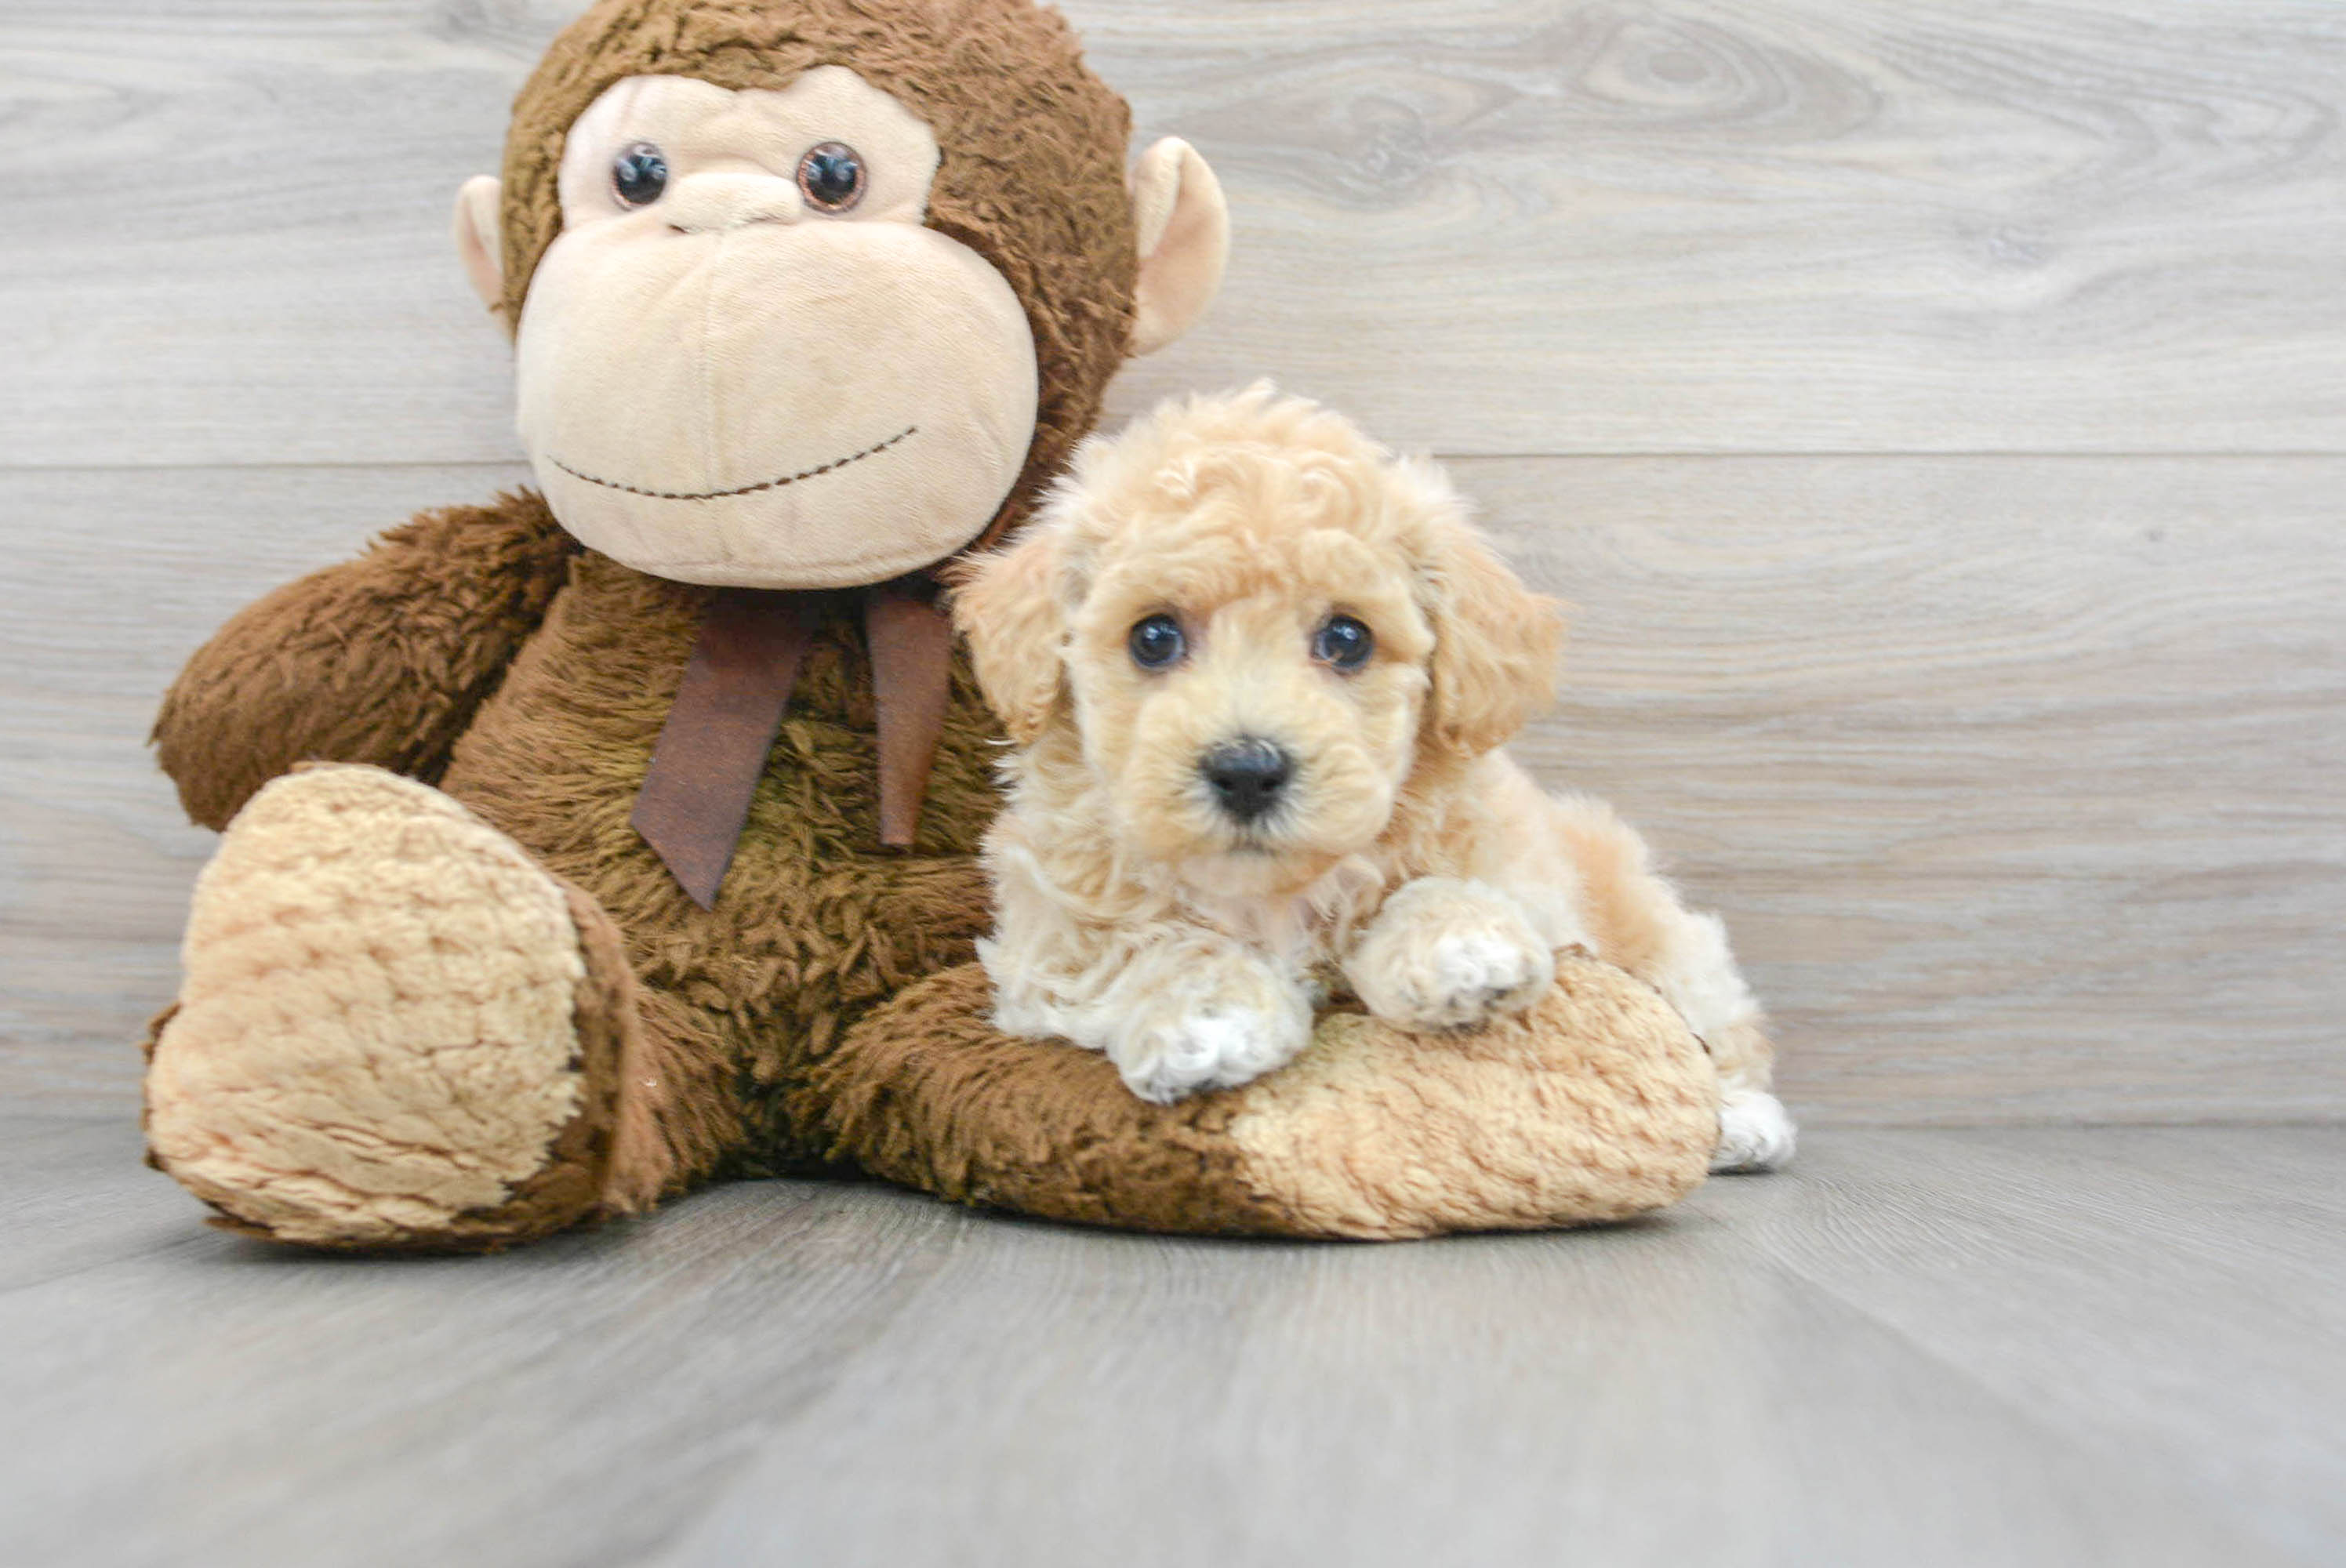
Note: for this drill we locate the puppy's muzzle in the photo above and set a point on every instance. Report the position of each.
(1247, 775)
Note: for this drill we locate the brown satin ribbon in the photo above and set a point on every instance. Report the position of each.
(911, 640)
(712, 749)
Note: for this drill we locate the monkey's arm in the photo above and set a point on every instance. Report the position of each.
(382, 660)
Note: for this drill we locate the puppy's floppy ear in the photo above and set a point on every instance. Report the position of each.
(1009, 604)
(1495, 642)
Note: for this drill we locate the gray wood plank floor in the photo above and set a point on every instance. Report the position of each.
(2005, 1347)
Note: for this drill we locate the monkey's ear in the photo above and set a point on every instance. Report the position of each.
(1008, 603)
(1183, 226)
(478, 241)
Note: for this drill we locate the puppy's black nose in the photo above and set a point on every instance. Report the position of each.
(1247, 776)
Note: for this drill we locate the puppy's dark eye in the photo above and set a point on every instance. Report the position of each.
(639, 174)
(1156, 641)
(830, 176)
(1343, 643)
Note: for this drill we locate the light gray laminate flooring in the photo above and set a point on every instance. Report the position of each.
(2056, 1346)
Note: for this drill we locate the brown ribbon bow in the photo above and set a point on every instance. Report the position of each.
(695, 798)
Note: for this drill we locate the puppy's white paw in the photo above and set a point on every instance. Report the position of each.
(1219, 1045)
(1754, 1133)
(1445, 954)
(1472, 977)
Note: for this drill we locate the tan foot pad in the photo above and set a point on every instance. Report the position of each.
(1596, 1105)
(375, 1041)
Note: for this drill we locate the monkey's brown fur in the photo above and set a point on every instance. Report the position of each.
(483, 650)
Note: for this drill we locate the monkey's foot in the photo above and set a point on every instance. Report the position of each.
(1594, 1104)
(391, 1033)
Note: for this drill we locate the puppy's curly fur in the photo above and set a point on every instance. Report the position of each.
(1258, 671)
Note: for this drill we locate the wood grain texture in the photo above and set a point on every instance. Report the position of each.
(2033, 1347)
(2016, 779)
(1486, 226)
(1957, 1241)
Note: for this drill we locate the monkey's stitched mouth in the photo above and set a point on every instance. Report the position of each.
(836, 463)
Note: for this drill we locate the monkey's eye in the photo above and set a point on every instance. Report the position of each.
(1156, 641)
(639, 174)
(830, 176)
(1343, 643)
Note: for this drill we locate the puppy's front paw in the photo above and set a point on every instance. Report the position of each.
(1215, 1045)
(1471, 977)
(1445, 954)
(1755, 1133)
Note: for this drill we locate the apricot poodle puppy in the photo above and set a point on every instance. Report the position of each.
(1258, 670)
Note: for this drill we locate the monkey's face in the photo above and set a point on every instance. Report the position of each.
(745, 362)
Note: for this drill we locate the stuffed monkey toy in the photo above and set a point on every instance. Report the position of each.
(605, 840)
